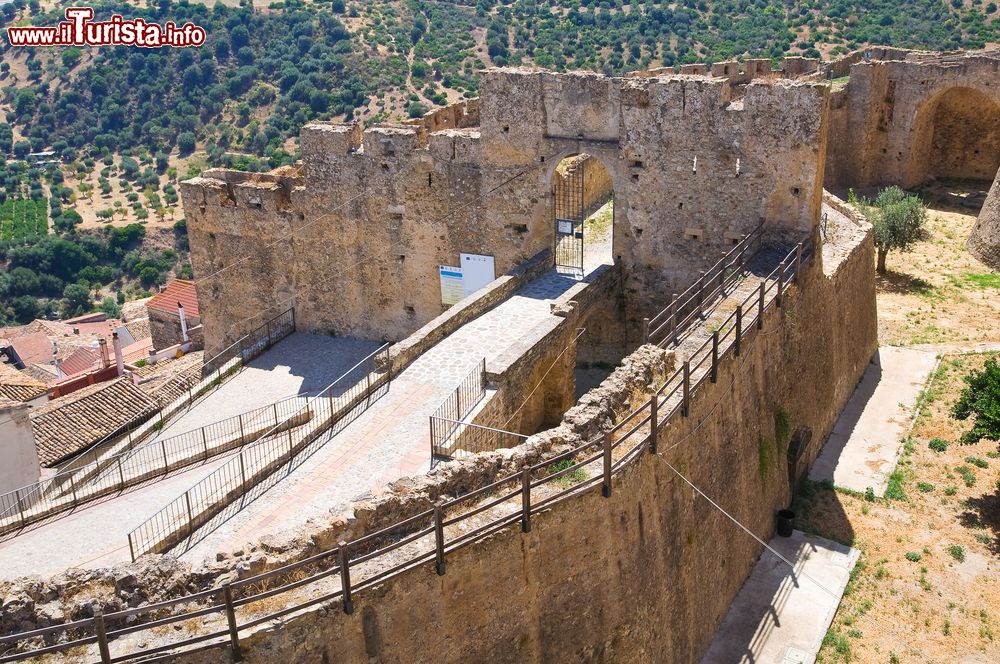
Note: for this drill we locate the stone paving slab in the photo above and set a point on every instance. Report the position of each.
(864, 445)
(391, 439)
(287, 369)
(780, 616)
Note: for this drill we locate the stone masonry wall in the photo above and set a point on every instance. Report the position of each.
(355, 241)
(918, 116)
(647, 574)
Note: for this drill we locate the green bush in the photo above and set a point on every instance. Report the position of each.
(980, 400)
(913, 556)
(938, 445)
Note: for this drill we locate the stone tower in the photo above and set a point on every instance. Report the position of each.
(984, 243)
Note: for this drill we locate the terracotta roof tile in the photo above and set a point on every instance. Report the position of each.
(46, 373)
(138, 328)
(178, 290)
(72, 423)
(19, 386)
(32, 348)
(80, 360)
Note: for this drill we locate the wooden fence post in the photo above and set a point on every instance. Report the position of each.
(234, 631)
(781, 283)
(439, 564)
(526, 499)
(345, 577)
(715, 356)
(701, 295)
(673, 316)
(760, 305)
(653, 421)
(606, 486)
(686, 400)
(739, 330)
(102, 637)
(645, 330)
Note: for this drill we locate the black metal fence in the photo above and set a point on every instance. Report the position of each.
(114, 473)
(520, 497)
(179, 519)
(447, 419)
(252, 344)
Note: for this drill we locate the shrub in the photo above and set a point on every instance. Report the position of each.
(938, 445)
(980, 400)
(978, 462)
(957, 552)
(913, 556)
(925, 487)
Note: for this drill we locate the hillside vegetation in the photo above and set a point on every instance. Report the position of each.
(126, 124)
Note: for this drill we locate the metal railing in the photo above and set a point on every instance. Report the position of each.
(448, 416)
(214, 372)
(253, 343)
(179, 519)
(115, 473)
(430, 533)
(468, 438)
(664, 328)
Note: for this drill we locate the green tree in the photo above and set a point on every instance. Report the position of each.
(110, 307)
(77, 299)
(897, 220)
(980, 400)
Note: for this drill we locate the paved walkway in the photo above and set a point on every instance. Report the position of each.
(780, 616)
(287, 369)
(96, 535)
(861, 451)
(391, 438)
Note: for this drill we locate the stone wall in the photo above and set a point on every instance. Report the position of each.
(647, 574)
(355, 241)
(984, 243)
(597, 187)
(917, 117)
(165, 329)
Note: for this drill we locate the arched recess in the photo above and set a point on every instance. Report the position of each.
(956, 135)
(582, 212)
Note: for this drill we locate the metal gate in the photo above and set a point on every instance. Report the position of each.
(568, 214)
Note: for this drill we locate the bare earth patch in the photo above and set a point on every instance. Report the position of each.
(927, 587)
(939, 293)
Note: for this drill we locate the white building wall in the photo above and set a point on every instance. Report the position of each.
(18, 457)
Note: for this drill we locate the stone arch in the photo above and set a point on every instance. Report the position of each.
(956, 135)
(599, 184)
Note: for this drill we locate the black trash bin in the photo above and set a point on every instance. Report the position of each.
(786, 522)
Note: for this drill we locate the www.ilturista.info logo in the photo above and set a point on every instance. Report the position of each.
(79, 30)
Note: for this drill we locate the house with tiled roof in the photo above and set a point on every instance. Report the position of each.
(19, 386)
(27, 349)
(178, 298)
(71, 424)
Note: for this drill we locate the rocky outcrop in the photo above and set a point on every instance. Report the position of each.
(984, 243)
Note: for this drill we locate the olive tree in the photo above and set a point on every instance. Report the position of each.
(897, 220)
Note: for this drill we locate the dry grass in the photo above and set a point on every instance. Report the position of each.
(939, 293)
(927, 587)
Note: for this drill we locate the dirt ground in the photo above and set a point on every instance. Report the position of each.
(938, 292)
(927, 587)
